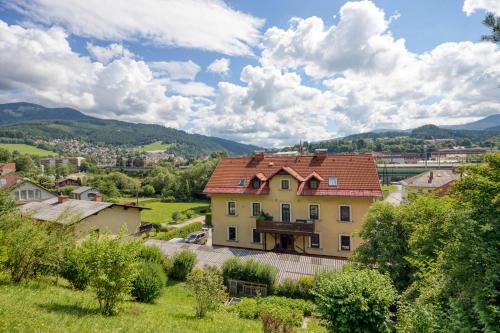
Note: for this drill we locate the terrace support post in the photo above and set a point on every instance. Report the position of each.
(275, 242)
(304, 243)
(265, 241)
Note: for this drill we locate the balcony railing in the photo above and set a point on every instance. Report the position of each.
(299, 227)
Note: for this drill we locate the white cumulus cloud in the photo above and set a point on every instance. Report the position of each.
(219, 66)
(39, 66)
(105, 54)
(470, 6)
(203, 24)
(176, 70)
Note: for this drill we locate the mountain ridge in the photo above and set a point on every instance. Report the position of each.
(32, 121)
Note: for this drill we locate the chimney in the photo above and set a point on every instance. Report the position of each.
(62, 199)
(320, 152)
(98, 198)
(431, 176)
(259, 155)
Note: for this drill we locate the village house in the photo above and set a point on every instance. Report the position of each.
(7, 174)
(308, 204)
(85, 216)
(86, 193)
(24, 190)
(433, 180)
(7, 168)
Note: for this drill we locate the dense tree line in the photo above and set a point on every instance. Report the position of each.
(165, 180)
(442, 254)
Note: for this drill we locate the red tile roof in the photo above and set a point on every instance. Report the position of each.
(356, 174)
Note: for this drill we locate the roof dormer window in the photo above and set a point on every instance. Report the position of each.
(242, 182)
(255, 183)
(313, 183)
(332, 181)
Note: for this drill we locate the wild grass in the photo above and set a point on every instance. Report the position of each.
(46, 307)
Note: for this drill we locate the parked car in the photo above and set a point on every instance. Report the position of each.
(199, 237)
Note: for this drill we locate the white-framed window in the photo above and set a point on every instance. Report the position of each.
(256, 236)
(345, 242)
(23, 195)
(255, 209)
(231, 208)
(38, 194)
(232, 234)
(285, 212)
(314, 211)
(315, 241)
(332, 181)
(345, 214)
(285, 184)
(31, 194)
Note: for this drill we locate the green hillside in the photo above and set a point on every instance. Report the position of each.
(30, 121)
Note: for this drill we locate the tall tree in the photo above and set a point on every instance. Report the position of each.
(493, 23)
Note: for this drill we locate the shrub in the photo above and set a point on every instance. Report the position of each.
(183, 264)
(148, 190)
(249, 270)
(207, 289)
(152, 254)
(297, 305)
(182, 232)
(189, 213)
(247, 308)
(296, 288)
(74, 268)
(208, 219)
(176, 216)
(112, 265)
(32, 248)
(279, 319)
(418, 317)
(355, 300)
(149, 282)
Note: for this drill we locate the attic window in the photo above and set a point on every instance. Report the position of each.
(332, 181)
(256, 183)
(242, 182)
(313, 183)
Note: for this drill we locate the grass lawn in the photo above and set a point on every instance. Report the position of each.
(157, 145)
(161, 212)
(388, 189)
(27, 149)
(43, 307)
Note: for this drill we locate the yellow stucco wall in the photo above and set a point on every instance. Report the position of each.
(328, 226)
(111, 220)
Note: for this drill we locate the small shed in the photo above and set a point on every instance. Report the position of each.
(245, 288)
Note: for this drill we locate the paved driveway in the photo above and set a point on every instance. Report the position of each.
(289, 265)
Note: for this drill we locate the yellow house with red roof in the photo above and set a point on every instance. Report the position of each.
(311, 204)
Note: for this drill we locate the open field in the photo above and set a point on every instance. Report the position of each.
(161, 212)
(157, 145)
(44, 307)
(27, 149)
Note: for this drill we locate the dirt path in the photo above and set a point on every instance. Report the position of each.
(188, 222)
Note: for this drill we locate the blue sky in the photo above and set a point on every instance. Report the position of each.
(288, 71)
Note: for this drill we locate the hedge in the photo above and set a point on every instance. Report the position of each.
(181, 232)
(249, 270)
